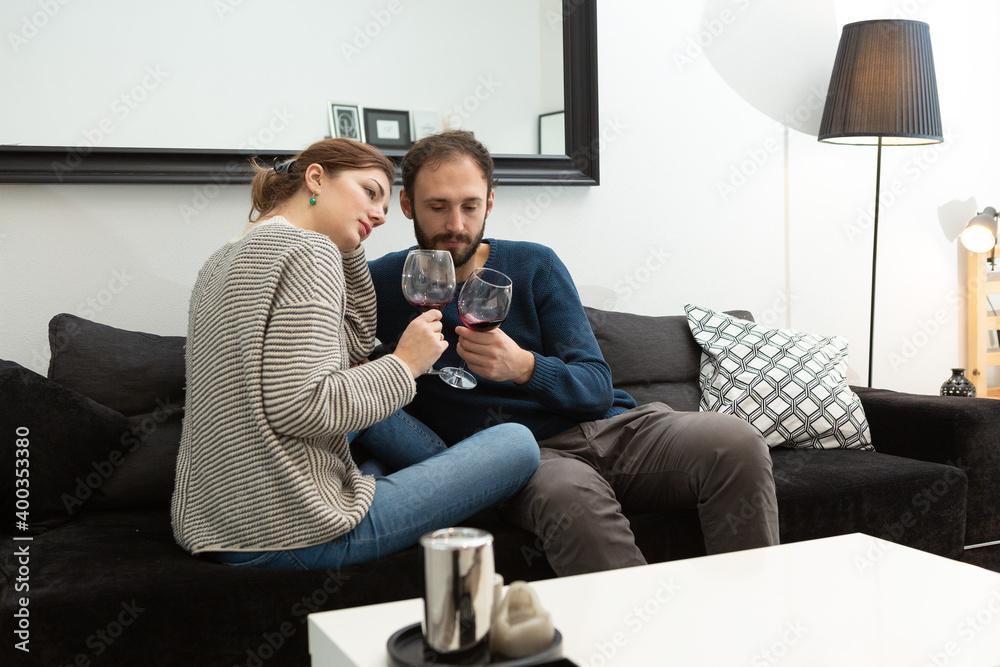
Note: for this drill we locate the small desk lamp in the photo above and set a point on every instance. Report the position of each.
(981, 233)
(883, 92)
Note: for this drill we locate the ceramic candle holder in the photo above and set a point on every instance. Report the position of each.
(521, 626)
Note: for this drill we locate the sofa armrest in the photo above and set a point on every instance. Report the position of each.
(963, 432)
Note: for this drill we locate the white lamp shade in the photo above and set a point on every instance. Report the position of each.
(981, 233)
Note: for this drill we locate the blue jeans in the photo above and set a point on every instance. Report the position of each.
(396, 442)
(436, 492)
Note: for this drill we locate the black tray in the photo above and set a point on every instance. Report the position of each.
(407, 649)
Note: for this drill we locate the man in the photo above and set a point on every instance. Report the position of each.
(601, 456)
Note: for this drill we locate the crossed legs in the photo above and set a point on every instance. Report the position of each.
(645, 460)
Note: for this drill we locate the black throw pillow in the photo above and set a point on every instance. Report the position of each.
(71, 446)
(142, 376)
(130, 371)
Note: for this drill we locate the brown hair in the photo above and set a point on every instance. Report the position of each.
(270, 188)
(443, 147)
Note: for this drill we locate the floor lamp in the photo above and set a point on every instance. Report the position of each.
(882, 92)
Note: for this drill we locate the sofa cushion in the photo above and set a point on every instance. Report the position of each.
(129, 371)
(652, 358)
(138, 374)
(124, 568)
(790, 386)
(74, 447)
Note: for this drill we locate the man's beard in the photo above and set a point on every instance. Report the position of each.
(460, 256)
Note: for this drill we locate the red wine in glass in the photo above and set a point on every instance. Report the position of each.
(424, 303)
(482, 306)
(480, 325)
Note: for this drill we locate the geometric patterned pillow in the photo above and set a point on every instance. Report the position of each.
(790, 386)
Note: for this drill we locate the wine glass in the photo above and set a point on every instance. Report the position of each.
(482, 306)
(428, 279)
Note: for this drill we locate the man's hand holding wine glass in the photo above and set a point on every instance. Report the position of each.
(482, 306)
(422, 343)
(494, 355)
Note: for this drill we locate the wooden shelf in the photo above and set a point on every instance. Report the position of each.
(981, 356)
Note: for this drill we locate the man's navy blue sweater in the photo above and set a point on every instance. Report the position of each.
(571, 382)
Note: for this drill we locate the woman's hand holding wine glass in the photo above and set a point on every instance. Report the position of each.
(428, 284)
(422, 343)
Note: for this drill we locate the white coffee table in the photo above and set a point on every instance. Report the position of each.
(851, 600)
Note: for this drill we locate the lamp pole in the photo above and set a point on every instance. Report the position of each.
(871, 317)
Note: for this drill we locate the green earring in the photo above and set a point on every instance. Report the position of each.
(312, 200)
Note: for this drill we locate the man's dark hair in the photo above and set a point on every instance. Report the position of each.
(445, 147)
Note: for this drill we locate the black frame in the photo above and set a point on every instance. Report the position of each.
(580, 166)
(402, 120)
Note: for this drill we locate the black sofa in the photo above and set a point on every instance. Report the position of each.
(101, 581)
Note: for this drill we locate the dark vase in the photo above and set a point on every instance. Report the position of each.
(958, 385)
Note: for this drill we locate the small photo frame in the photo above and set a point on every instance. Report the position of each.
(426, 123)
(387, 128)
(345, 122)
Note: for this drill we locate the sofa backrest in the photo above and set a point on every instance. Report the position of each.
(142, 376)
(652, 358)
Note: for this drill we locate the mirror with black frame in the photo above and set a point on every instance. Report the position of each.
(188, 114)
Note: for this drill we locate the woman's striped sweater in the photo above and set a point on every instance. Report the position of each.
(277, 317)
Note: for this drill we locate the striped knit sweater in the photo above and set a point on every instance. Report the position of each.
(276, 319)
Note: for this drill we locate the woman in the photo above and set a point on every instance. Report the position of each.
(281, 319)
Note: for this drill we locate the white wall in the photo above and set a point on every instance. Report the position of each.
(788, 241)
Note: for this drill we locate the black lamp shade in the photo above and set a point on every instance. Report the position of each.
(883, 86)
